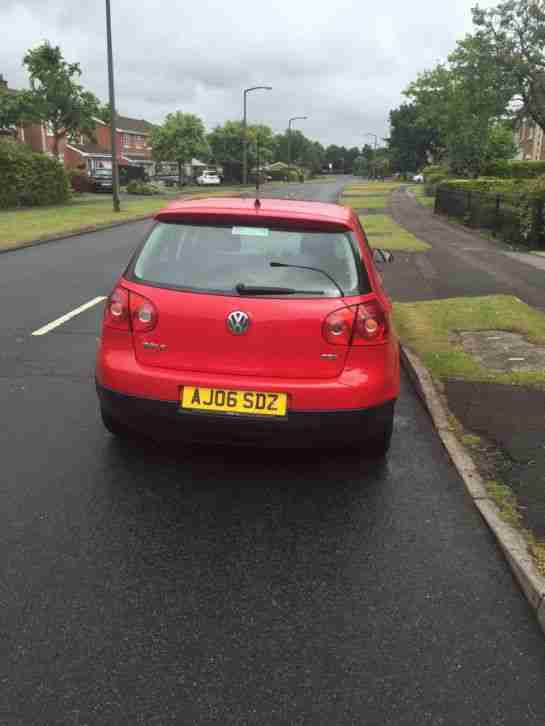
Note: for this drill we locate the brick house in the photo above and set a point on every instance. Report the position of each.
(133, 138)
(529, 140)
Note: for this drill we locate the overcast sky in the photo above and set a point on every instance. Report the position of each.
(344, 64)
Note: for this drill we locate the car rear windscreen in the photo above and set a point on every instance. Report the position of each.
(217, 259)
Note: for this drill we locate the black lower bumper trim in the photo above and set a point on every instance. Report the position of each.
(298, 429)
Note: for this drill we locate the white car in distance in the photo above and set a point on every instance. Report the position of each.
(208, 177)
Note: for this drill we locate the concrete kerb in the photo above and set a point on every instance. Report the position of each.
(510, 540)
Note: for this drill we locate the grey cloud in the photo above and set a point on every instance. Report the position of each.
(343, 64)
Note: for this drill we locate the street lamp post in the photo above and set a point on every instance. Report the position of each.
(113, 120)
(244, 140)
(376, 141)
(293, 118)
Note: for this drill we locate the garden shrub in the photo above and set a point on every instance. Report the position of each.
(29, 179)
(139, 187)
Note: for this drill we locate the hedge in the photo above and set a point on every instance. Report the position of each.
(513, 169)
(487, 185)
(28, 179)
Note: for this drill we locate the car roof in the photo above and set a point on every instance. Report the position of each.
(277, 209)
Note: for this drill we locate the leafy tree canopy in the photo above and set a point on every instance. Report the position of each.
(462, 101)
(514, 33)
(56, 96)
(16, 109)
(180, 138)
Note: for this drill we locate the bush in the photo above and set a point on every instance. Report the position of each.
(278, 171)
(140, 187)
(28, 179)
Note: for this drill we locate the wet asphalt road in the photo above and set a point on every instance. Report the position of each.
(149, 585)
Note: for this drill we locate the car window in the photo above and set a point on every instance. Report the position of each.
(217, 258)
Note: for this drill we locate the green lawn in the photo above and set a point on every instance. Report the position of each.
(23, 225)
(428, 328)
(382, 231)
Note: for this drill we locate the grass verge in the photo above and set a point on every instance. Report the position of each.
(429, 328)
(382, 231)
(24, 225)
(365, 202)
(370, 188)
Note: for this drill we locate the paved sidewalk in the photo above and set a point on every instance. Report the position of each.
(461, 263)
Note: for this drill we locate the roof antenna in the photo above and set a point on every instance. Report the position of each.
(257, 203)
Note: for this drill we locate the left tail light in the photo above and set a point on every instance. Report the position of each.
(116, 311)
(127, 310)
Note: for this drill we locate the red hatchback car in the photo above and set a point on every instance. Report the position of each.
(259, 322)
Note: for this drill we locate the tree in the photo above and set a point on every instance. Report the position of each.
(514, 32)
(462, 100)
(412, 140)
(57, 97)
(105, 113)
(180, 138)
(501, 144)
(16, 109)
(226, 145)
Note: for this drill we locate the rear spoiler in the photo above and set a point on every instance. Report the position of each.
(257, 219)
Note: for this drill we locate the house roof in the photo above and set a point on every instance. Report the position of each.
(90, 149)
(139, 126)
(4, 88)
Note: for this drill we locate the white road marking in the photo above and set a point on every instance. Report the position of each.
(72, 314)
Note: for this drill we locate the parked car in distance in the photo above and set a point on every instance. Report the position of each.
(242, 321)
(101, 180)
(208, 177)
(418, 178)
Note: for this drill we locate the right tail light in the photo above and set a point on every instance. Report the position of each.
(364, 324)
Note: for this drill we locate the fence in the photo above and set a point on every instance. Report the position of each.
(513, 217)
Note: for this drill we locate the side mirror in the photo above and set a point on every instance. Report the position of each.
(382, 256)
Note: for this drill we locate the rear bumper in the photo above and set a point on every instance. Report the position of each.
(166, 420)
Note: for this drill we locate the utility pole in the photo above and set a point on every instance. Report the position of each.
(113, 121)
(244, 139)
(293, 118)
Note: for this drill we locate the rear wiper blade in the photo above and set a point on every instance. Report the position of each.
(243, 289)
(313, 269)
